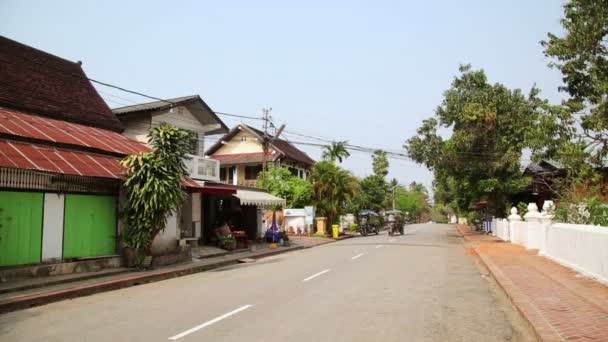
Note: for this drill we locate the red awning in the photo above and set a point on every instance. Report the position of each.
(218, 190)
(28, 156)
(20, 124)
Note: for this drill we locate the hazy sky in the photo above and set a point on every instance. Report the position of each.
(367, 72)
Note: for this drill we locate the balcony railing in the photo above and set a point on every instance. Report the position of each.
(202, 168)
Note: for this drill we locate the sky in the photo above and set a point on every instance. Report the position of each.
(364, 71)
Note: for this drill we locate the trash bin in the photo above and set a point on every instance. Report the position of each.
(335, 229)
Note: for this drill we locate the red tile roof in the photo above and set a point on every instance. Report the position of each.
(19, 124)
(38, 82)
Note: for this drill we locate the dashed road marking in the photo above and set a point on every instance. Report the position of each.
(208, 323)
(379, 246)
(357, 256)
(317, 274)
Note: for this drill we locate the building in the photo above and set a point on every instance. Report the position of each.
(60, 148)
(241, 156)
(213, 203)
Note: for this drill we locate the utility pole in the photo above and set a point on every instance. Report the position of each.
(394, 197)
(265, 141)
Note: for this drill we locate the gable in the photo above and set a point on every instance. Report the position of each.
(34, 81)
(241, 142)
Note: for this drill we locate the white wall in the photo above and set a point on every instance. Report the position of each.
(52, 227)
(166, 241)
(583, 248)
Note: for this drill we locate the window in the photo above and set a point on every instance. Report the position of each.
(252, 172)
(293, 171)
(227, 174)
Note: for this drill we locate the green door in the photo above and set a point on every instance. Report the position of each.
(20, 227)
(89, 226)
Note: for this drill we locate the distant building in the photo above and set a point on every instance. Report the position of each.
(241, 156)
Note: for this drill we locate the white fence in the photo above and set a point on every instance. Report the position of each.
(583, 248)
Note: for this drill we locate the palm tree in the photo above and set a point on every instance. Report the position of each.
(336, 151)
(332, 188)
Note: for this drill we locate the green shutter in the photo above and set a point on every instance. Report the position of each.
(89, 226)
(20, 227)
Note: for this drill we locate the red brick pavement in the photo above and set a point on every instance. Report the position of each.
(560, 304)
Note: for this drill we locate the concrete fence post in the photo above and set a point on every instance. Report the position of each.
(546, 218)
(533, 227)
(514, 218)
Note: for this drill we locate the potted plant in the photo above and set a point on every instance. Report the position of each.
(284, 237)
(228, 242)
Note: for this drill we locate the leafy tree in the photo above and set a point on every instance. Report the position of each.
(581, 54)
(336, 151)
(154, 186)
(582, 57)
(414, 203)
(374, 192)
(380, 163)
(280, 182)
(491, 125)
(333, 188)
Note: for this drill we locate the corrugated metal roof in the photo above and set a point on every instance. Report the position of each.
(32, 157)
(21, 124)
(243, 158)
(153, 105)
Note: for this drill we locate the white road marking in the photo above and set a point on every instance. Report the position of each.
(208, 323)
(391, 240)
(357, 256)
(379, 246)
(317, 274)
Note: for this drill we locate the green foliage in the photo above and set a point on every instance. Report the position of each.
(581, 54)
(228, 242)
(154, 186)
(413, 201)
(283, 235)
(590, 211)
(353, 227)
(336, 151)
(522, 209)
(333, 187)
(380, 164)
(373, 192)
(280, 182)
(490, 125)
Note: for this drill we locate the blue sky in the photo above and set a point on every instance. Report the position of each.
(368, 72)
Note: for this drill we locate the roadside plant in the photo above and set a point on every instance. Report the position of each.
(153, 187)
(590, 211)
(228, 242)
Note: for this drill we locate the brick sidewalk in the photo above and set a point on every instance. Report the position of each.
(559, 303)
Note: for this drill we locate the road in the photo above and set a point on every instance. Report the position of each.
(422, 286)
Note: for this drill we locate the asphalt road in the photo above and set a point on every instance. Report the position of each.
(422, 286)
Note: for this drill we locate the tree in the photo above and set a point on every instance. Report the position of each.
(333, 188)
(582, 57)
(491, 125)
(154, 186)
(380, 163)
(373, 193)
(336, 151)
(412, 202)
(280, 182)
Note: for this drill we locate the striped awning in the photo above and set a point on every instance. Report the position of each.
(250, 197)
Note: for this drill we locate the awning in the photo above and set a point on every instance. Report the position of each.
(213, 188)
(249, 197)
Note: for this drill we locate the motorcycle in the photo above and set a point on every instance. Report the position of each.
(395, 222)
(368, 222)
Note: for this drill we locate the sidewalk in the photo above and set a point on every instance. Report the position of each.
(560, 304)
(51, 289)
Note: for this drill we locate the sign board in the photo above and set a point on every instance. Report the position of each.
(310, 214)
(294, 212)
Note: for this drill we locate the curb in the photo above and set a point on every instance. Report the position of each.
(28, 301)
(511, 293)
